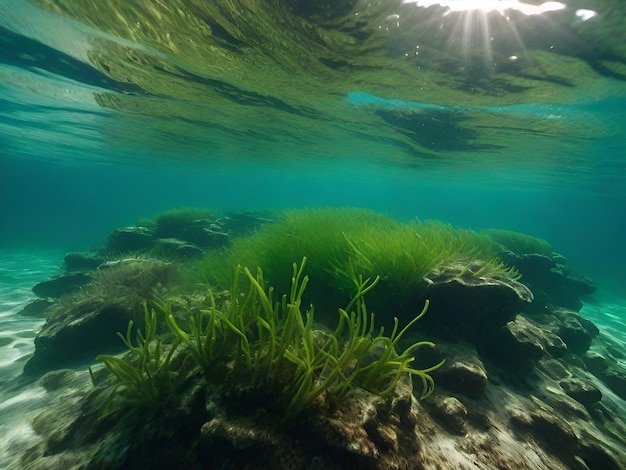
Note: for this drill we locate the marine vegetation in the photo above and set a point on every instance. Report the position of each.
(132, 279)
(520, 243)
(339, 242)
(170, 223)
(255, 340)
(145, 377)
(406, 253)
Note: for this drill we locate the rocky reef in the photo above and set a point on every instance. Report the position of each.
(527, 382)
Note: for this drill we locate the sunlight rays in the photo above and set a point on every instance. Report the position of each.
(488, 6)
(475, 27)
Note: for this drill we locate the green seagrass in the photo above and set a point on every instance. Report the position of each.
(271, 345)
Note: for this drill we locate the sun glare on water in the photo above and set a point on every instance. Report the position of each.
(482, 29)
(488, 6)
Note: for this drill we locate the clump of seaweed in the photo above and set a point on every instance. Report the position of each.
(520, 243)
(126, 283)
(404, 254)
(145, 377)
(339, 242)
(272, 346)
(171, 223)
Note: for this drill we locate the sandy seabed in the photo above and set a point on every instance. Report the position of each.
(19, 272)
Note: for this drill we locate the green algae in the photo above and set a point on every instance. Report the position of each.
(342, 243)
(269, 345)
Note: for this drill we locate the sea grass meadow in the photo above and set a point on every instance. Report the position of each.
(305, 234)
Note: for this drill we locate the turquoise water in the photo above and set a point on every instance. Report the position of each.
(75, 207)
(113, 111)
(537, 146)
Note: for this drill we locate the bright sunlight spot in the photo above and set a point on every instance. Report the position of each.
(585, 15)
(474, 30)
(491, 5)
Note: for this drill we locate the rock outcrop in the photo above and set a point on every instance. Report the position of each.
(551, 281)
(82, 325)
(62, 284)
(78, 334)
(528, 382)
(182, 236)
(468, 307)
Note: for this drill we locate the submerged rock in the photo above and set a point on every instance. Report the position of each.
(452, 413)
(59, 379)
(576, 331)
(462, 373)
(615, 379)
(524, 400)
(76, 261)
(204, 431)
(517, 341)
(205, 235)
(595, 362)
(81, 326)
(178, 248)
(471, 308)
(61, 285)
(129, 239)
(550, 280)
(36, 308)
(195, 230)
(583, 391)
(554, 430)
(515, 423)
(192, 232)
(78, 334)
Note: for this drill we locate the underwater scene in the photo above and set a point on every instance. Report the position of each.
(312, 234)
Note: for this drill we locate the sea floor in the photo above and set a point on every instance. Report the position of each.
(20, 402)
(19, 272)
(609, 315)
